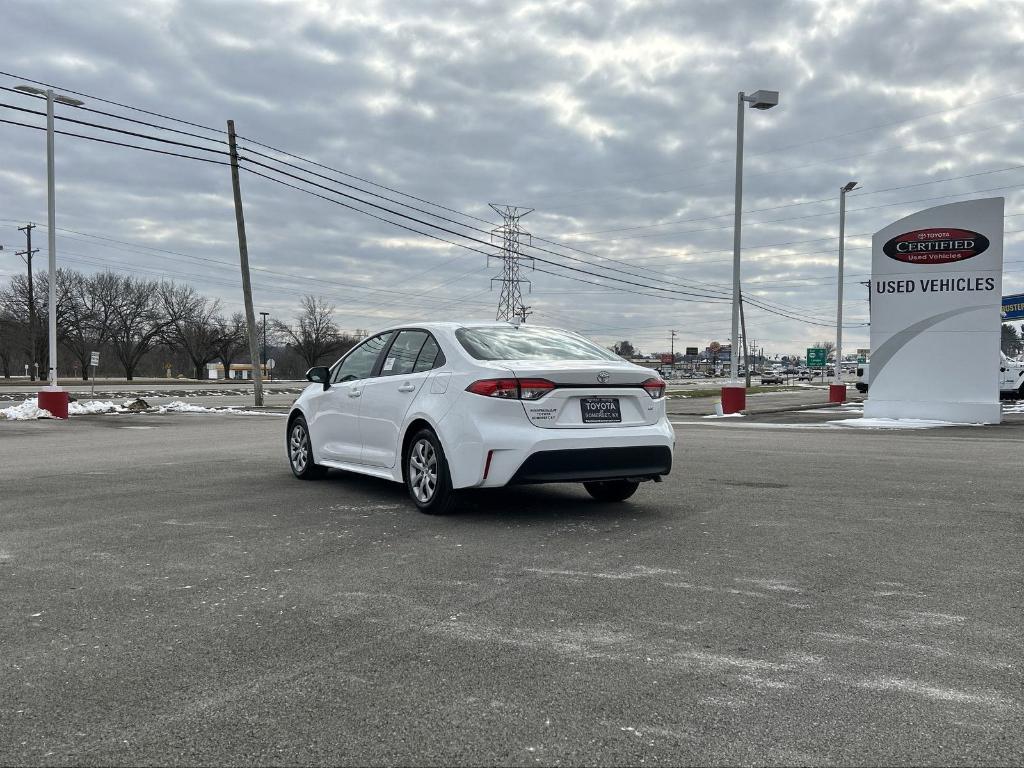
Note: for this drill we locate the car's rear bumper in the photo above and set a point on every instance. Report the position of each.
(585, 464)
(489, 449)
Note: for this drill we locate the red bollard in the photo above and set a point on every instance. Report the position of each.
(837, 393)
(734, 399)
(55, 401)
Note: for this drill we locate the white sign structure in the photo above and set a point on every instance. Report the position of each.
(936, 290)
(94, 358)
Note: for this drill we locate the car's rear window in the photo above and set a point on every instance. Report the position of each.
(524, 343)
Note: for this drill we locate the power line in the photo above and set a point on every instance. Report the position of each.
(121, 131)
(218, 131)
(436, 226)
(118, 143)
(353, 176)
(116, 116)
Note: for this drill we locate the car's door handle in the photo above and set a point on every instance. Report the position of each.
(407, 387)
(355, 392)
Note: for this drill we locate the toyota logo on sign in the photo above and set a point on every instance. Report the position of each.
(935, 246)
(603, 377)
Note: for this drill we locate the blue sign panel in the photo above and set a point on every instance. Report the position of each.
(1013, 307)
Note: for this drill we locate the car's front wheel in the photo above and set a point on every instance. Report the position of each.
(612, 490)
(426, 474)
(300, 452)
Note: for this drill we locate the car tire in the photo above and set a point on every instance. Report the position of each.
(612, 490)
(427, 478)
(300, 452)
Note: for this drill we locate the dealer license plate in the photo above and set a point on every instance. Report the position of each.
(600, 410)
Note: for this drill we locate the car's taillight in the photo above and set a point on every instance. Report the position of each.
(506, 388)
(655, 388)
(511, 389)
(534, 389)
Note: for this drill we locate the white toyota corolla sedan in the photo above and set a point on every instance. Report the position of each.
(444, 406)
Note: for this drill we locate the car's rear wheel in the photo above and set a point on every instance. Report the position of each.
(426, 474)
(300, 452)
(612, 490)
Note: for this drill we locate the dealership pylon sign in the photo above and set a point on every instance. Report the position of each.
(936, 291)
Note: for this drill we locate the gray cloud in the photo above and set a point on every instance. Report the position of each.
(602, 116)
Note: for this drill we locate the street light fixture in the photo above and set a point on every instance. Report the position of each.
(839, 394)
(734, 396)
(52, 397)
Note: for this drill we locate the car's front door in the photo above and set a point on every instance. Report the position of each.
(335, 428)
(386, 399)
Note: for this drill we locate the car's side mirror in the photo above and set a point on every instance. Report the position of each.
(321, 374)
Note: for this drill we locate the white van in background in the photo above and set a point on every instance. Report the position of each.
(1011, 376)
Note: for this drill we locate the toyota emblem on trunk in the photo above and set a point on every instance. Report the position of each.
(602, 377)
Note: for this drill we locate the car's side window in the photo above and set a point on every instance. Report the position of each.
(430, 356)
(401, 358)
(362, 360)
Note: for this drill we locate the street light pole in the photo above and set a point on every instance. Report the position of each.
(52, 395)
(736, 400)
(839, 294)
(734, 369)
(51, 235)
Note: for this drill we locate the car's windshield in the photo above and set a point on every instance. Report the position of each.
(499, 342)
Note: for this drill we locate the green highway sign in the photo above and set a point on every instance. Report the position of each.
(815, 357)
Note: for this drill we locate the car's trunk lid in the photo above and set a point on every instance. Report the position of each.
(592, 394)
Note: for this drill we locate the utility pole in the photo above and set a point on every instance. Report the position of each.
(510, 303)
(243, 257)
(672, 342)
(27, 254)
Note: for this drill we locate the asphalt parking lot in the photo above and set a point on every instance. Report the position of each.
(790, 594)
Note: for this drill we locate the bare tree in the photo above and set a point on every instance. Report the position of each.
(193, 326)
(314, 337)
(232, 338)
(138, 321)
(828, 346)
(8, 333)
(625, 349)
(14, 301)
(87, 314)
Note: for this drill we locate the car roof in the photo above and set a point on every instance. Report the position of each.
(451, 325)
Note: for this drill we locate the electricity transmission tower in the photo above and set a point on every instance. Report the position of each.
(510, 303)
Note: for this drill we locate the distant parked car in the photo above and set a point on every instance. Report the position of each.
(772, 378)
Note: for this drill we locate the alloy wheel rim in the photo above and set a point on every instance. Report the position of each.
(423, 471)
(297, 449)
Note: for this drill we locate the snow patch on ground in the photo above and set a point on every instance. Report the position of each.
(30, 410)
(177, 406)
(723, 416)
(94, 406)
(863, 423)
(27, 411)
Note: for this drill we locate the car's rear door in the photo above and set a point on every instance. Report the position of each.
(387, 398)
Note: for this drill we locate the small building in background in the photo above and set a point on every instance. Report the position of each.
(239, 371)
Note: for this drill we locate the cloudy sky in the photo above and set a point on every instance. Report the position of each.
(615, 121)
